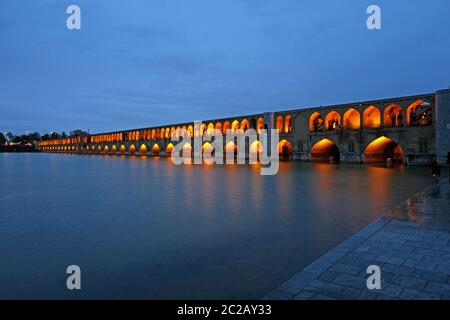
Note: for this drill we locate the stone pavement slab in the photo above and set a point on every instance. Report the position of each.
(410, 244)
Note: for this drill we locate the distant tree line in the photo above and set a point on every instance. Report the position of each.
(25, 142)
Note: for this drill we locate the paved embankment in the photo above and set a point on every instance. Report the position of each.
(411, 245)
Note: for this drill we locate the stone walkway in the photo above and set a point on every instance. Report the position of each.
(411, 245)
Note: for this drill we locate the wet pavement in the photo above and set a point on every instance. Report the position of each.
(410, 244)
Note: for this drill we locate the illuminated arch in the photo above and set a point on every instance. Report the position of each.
(167, 136)
(260, 125)
(419, 113)
(231, 147)
(106, 149)
(393, 116)
(244, 125)
(155, 149)
(191, 131)
(203, 129)
(169, 148)
(187, 149)
(285, 149)
(234, 125)
(288, 124)
(325, 151)
(132, 149)
(122, 149)
(333, 121)
(210, 129)
(315, 122)
(99, 148)
(256, 149)
(352, 119)
(226, 126)
(162, 133)
(218, 126)
(208, 151)
(153, 134)
(382, 148)
(371, 118)
(279, 124)
(143, 149)
(114, 148)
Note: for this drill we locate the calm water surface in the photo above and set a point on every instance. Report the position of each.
(145, 228)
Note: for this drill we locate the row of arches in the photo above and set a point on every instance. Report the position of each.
(284, 149)
(191, 130)
(378, 151)
(419, 113)
(284, 124)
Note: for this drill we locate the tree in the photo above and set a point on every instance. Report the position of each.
(17, 139)
(9, 136)
(2, 139)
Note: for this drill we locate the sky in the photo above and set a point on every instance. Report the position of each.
(142, 63)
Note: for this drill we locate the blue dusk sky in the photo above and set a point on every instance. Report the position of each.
(140, 63)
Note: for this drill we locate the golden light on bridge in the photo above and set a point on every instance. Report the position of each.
(285, 149)
(143, 149)
(352, 119)
(383, 148)
(169, 148)
(371, 117)
(324, 150)
(156, 149)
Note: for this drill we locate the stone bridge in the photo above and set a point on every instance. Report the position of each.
(412, 130)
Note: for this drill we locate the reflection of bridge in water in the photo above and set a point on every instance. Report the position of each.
(402, 129)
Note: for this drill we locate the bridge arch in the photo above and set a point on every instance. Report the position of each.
(169, 149)
(218, 126)
(285, 149)
(279, 124)
(155, 149)
(382, 148)
(288, 124)
(122, 149)
(419, 113)
(352, 119)
(244, 125)
(333, 121)
(226, 126)
(132, 149)
(234, 125)
(203, 129)
(256, 149)
(231, 147)
(143, 149)
(187, 149)
(393, 116)
(315, 122)
(114, 148)
(210, 128)
(260, 125)
(371, 118)
(106, 149)
(325, 150)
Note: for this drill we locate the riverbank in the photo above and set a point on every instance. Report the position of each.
(411, 245)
